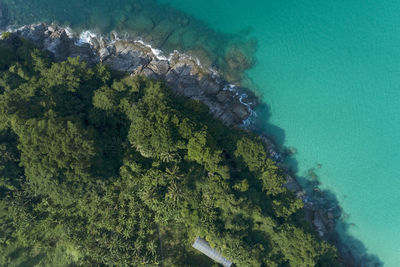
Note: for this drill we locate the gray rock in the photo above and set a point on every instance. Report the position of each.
(85, 53)
(223, 96)
(182, 69)
(127, 62)
(149, 73)
(160, 67)
(210, 85)
(35, 33)
(191, 91)
(228, 118)
(104, 54)
(51, 29)
(95, 43)
(241, 111)
(113, 36)
(58, 43)
(319, 224)
(171, 76)
(292, 184)
(102, 43)
(182, 73)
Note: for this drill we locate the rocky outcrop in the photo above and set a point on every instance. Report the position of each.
(184, 74)
(187, 77)
(322, 219)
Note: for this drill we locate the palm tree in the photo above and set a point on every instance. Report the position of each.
(174, 191)
(167, 156)
(173, 173)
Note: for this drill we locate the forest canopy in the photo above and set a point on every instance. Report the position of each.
(101, 168)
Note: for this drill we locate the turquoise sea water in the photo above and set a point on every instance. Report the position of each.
(329, 72)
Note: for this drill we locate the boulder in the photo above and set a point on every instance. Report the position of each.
(293, 185)
(161, 67)
(183, 73)
(85, 52)
(58, 44)
(319, 224)
(102, 43)
(241, 111)
(211, 86)
(224, 96)
(172, 76)
(51, 29)
(127, 62)
(34, 33)
(228, 118)
(104, 53)
(148, 73)
(182, 69)
(113, 36)
(185, 76)
(95, 43)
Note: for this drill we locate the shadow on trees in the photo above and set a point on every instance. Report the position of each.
(352, 250)
(158, 24)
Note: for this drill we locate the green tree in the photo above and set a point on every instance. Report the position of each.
(102, 169)
(56, 155)
(252, 152)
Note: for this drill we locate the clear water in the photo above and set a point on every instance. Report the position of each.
(329, 72)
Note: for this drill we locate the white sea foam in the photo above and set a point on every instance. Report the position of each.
(242, 99)
(157, 52)
(85, 37)
(160, 56)
(69, 32)
(230, 87)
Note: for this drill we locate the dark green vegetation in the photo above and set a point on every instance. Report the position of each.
(158, 24)
(101, 169)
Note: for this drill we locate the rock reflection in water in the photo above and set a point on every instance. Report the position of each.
(157, 24)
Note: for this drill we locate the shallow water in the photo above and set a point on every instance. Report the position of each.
(329, 72)
(158, 24)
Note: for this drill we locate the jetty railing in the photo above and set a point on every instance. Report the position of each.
(203, 246)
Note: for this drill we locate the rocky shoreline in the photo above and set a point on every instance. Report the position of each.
(186, 76)
(181, 72)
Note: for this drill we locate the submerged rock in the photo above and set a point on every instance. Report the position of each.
(3, 15)
(237, 60)
(183, 73)
(186, 76)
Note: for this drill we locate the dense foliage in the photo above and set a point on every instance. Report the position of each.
(101, 169)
